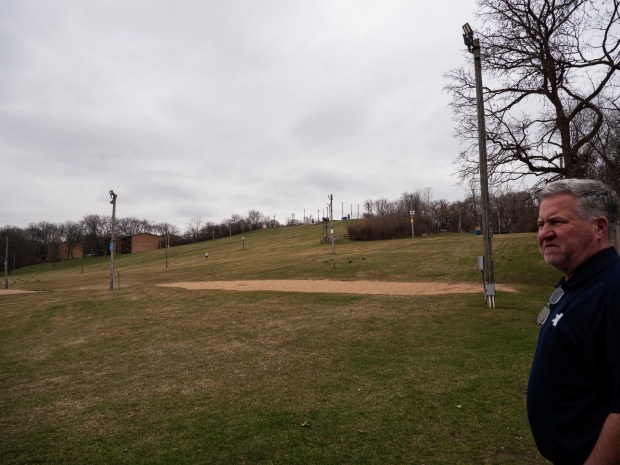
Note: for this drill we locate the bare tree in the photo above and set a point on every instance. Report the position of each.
(194, 227)
(410, 202)
(383, 207)
(236, 224)
(441, 215)
(45, 237)
(93, 227)
(607, 147)
(208, 230)
(255, 219)
(130, 226)
(550, 72)
(72, 233)
(514, 211)
(21, 249)
(163, 229)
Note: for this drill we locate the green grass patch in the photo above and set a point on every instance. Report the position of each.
(153, 375)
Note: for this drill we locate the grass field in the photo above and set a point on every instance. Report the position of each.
(155, 375)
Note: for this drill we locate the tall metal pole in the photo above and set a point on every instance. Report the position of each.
(331, 221)
(6, 264)
(112, 239)
(473, 46)
(167, 244)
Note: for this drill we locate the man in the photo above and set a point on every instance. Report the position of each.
(573, 397)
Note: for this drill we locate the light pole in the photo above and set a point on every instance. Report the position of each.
(167, 245)
(331, 221)
(473, 46)
(112, 238)
(6, 264)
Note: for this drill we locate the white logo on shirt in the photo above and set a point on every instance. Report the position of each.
(557, 318)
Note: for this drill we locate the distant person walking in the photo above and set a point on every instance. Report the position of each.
(573, 395)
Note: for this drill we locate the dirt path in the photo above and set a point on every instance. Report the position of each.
(340, 287)
(14, 291)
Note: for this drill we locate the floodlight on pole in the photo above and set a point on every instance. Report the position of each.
(6, 264)
(468, 36)
(473, 46)
(112, 238)
(331, 220)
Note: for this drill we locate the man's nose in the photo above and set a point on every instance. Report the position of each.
(545, 230)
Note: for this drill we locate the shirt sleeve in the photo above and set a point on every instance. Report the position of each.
(613, 346)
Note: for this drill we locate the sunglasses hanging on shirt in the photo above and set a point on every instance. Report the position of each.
(546, 310)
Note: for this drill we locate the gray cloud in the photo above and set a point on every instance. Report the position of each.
(209, 108)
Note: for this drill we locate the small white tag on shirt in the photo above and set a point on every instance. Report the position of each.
(557, 318)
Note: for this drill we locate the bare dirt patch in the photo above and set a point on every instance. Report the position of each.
(340, 287)
(14, 291)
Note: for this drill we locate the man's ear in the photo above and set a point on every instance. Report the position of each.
(601, 227)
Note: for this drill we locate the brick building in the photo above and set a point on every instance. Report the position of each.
(64, 253)
(138, 243)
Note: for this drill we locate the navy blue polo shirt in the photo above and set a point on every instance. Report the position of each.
(575, 378)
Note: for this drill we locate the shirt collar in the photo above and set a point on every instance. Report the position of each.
(591, 267)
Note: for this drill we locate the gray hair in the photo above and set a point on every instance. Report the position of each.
(594, 198)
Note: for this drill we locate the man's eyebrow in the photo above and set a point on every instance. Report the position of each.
(555, 217)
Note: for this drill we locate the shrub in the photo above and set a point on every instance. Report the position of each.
(378, 228)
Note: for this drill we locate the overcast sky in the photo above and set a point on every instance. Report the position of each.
(208, 108)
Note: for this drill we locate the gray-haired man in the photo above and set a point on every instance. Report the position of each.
(574, 387)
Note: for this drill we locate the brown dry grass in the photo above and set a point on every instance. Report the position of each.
(339, 287)
(150, 374)
(14, 291)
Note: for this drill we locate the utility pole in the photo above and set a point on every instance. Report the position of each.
(167, 245)
(473, 46)
(331, 221)
(6, 264)
(112, 238)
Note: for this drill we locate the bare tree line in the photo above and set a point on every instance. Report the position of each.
(200, 230)
(41, 241)
(383, 219)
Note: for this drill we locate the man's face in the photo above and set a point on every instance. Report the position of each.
(565, 239)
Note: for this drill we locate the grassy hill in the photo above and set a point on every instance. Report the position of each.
(153, 375)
